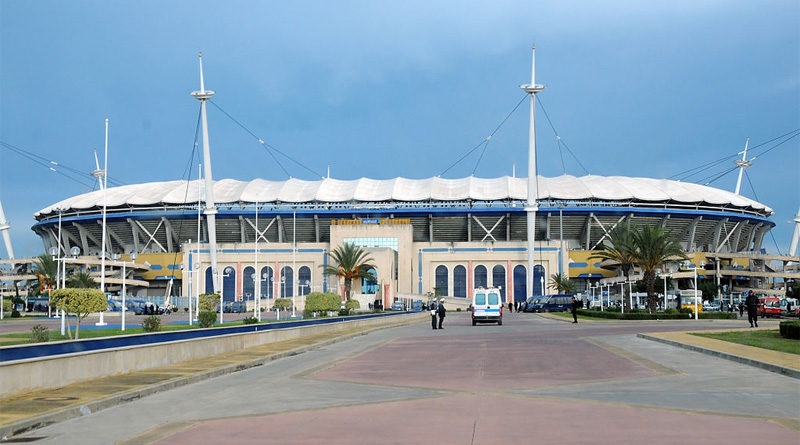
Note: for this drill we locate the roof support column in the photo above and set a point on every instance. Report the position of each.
(718, 234)
(430, 227)
(692, 230)
(280, 228)
(752, 236)
(316, 228)
(469, 227)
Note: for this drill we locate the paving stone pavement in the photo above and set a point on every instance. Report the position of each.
(532, 380)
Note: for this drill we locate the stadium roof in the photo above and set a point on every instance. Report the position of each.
(560, 188)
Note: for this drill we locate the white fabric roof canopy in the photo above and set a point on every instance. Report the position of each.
(565, 187)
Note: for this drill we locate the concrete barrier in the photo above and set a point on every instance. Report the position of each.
(54, 372)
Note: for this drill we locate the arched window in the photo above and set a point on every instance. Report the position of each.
(480, 277)
(287, 282)
(499, 280)
(441, 280)
(520, 283)
(209, 281)
(370, 285)
(228, 284)
(248, 283)
(460, 281)
(304, 280)
(538, 280)
(267, 279)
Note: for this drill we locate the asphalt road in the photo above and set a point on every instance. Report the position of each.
(532, 380)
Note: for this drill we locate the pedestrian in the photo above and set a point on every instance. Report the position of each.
(433, 314)
(752, 308)
(510, 307)
(741, 309)
(441, 312)
(575, 305)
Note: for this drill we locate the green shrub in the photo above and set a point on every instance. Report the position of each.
(250, 320)
(207, 318)
(717, 315)
(352, 305)
(209, 302)
(790, 329)
(39, 334)
(151, 323)
(7, 304)
(324, 302)
(284, 303)
(15, 314)
(344, 312)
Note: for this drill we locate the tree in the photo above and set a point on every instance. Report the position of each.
(80, 302)
(652, 248)
(562, 284)
(46, 269)
(349, 262)
(209, 302)
(82, 280)
(283, 303)
(619, 248)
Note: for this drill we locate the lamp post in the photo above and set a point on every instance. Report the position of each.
(622, 297)
(630, 294)
(197, 290)
(225, 274)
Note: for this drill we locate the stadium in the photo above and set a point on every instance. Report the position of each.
(444, 236)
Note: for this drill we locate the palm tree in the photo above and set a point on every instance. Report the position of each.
(349, 262)
(621, 249)
(654, 246)
(81, 280)
(46, 269)
(562, 284)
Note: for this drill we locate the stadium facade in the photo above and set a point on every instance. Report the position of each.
(438, 235)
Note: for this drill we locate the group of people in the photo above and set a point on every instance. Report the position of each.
(437, 311)
(517, 306)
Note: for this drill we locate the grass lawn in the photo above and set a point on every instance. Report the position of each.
(767, 339)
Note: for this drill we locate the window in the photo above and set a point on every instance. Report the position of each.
(493, 298)
(480, 277)
(228, 284)
(460, 281)
(370, 285)
(287, 282)
(499, 280)
(480, 298)
(520, 283)
(304, 280)
(248, 283)
(441, 280)
(209, 281)
(267, 279)
(538, 280)
(373, 242)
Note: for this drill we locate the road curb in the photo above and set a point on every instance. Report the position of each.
(41, 421)
(789, 372)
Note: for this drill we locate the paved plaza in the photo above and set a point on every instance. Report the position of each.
(533, 380)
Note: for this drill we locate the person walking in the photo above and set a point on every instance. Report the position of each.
(441, 312)
(752, 308)
(575, 305)
(433, 314)
(741, 309)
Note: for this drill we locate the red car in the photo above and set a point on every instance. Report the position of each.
(769, 306)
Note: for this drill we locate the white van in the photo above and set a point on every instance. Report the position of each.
(487, 306)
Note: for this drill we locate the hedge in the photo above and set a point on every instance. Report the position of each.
(207, 318)
(790, 329)
(322, 302)
(641, 315)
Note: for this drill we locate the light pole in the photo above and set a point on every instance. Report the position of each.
(133, 256)
(197, 290)
(622, 296)
(225, 274)
(630, 294)
(103, 241)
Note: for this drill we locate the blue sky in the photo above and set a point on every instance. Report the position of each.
(386, 89)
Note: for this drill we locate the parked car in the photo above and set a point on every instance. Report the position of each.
(554, 303)
(136, 306)
(398, 306)
(711, 306)
(527, 306)
(789, 306)
(238, 307)
(769, 306)
(417, 306)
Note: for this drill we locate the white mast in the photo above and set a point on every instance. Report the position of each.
(4, 226)
(97, 173)
(743, 164)
(211, 209)
(533, 187)
(103, 241)
(795, 235)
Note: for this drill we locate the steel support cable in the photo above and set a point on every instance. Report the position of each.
(560, 140)
(746, 175)
(187, 173)
(754, 157)
(725, 158)
(267, 146)
(52, 165)
(485, 140)
(46, 165)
